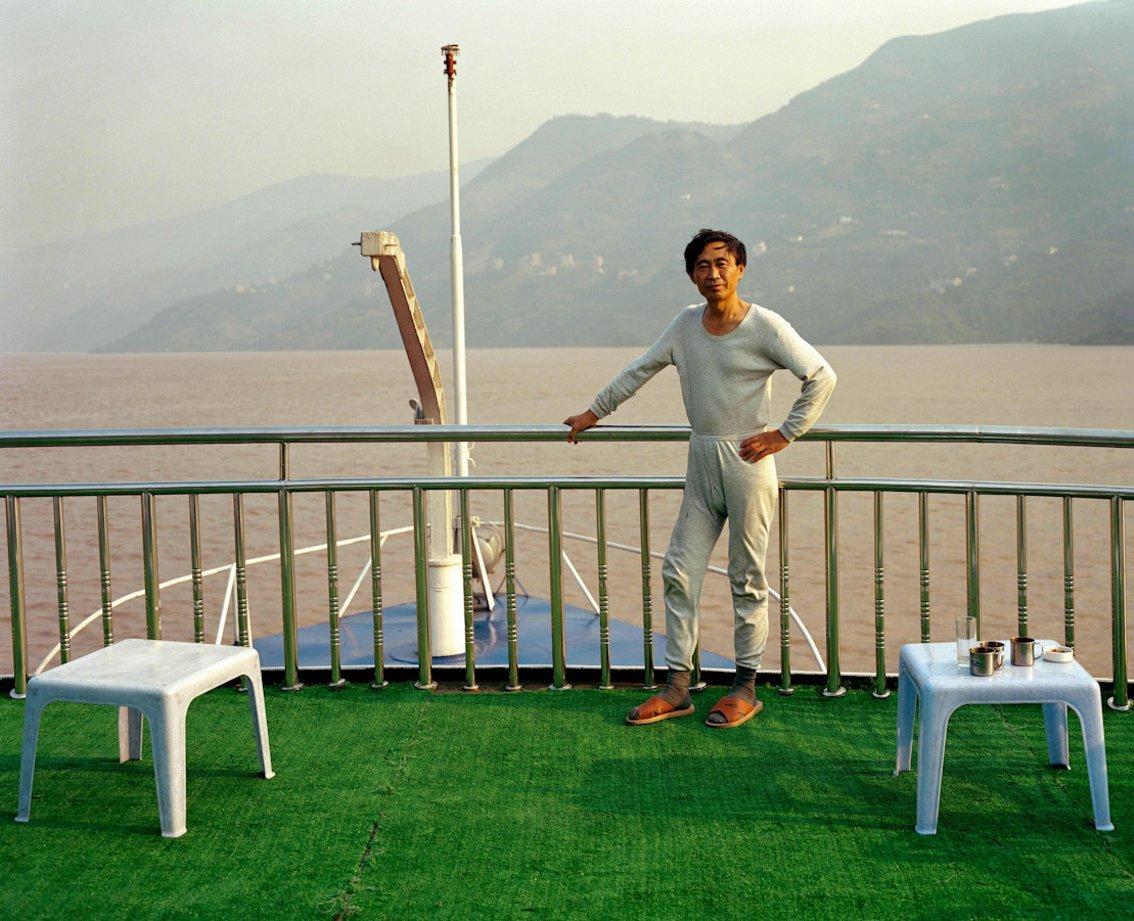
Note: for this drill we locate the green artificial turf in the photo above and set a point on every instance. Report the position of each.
(403, 804)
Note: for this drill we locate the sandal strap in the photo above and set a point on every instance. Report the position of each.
(732, 708)
(655, 706)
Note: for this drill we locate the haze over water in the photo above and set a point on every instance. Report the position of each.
(1026, 385)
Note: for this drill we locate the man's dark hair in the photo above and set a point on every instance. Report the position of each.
(703, 238)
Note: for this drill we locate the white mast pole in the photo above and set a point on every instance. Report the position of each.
(460, 385)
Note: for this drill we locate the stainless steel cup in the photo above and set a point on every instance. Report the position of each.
(982, 661)
(1025, 651)
(999, 648)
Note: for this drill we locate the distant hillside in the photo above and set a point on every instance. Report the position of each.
(973, 185)
(299, 311)
(1024, 299)
(1109, 322)
(80, 293)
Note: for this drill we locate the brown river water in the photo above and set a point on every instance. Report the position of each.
(1036, 385)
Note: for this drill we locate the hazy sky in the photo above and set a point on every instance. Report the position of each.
(114, 113)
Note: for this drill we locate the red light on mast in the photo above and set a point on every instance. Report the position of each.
(450, 53)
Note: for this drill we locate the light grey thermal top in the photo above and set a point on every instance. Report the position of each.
(725, 380)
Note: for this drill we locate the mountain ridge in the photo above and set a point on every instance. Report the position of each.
(60, 294)
(941, 188)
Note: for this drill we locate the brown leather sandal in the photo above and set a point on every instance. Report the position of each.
(654, 710)
(735, 710)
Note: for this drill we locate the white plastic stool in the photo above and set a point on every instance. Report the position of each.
(929, 672)
(152, 678)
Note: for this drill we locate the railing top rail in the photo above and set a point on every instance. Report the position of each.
(331, 434)
(351, 484)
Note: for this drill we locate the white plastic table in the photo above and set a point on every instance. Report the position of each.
(929, 672)
(157, 679)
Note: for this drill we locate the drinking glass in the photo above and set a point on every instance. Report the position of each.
(966, 638)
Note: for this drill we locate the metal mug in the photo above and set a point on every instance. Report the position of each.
(982, 661)
(997, 647)
(1025, 651)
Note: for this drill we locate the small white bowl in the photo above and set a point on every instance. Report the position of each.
(1059, 654)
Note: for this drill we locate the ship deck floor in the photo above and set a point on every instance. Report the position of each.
(543, 804)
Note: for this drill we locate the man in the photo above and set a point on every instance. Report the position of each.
(725, 350)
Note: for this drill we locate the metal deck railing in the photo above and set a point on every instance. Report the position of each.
(285, 487)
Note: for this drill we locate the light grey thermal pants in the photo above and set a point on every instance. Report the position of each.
(719, 485)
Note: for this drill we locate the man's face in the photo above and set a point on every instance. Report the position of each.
(716, 274)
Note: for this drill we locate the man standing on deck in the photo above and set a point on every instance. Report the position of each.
(725, 351)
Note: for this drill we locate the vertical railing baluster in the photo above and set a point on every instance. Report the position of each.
(150, 566)
(1068, 573)
(510, 592)
(16, 597)
(834, 686)
(603, 599)
(466, 578)
(61, 579)
(243, 624)
(647, 594)
(1121, 699)
(923, 560)
(785, 687)
(972, 556)
(287, 585)
(196, 568)
(555, 579)
(1021, 567)
(421, 580)
(880, 690)
(337, 680)
(376, 591)
(107, 599)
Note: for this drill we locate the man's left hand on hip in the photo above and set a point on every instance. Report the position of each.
(756, 447)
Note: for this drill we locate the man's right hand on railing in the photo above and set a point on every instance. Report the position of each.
(579, 423)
